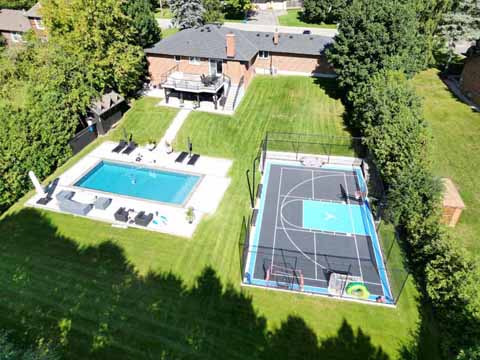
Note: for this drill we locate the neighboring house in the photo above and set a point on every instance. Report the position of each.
(470, 79)
(15, 23)
(34, 16)
(222, 57)
(13, 26)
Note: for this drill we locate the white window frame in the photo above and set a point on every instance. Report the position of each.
(263, 54)
(177, 58)
(194, 60)
(39, 24)
(16, 36)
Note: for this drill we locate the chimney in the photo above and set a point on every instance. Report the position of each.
(230, 37)
(276, 37)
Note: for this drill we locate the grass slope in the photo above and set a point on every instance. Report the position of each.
(456, 150)
(107, 293)
(293, 18)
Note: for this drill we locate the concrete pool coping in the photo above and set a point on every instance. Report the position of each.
(205, 198)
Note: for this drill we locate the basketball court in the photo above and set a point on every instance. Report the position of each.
(315, 233)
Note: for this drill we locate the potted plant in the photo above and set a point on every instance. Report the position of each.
(190, 215)
(152, 144)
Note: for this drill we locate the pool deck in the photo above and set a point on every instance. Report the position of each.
(205, 198)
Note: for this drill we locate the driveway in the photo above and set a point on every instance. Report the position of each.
(264, 17)
(283, 29)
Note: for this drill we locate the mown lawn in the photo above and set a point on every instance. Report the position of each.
(103, 292)
(456, 150)
(145, 121)
(293, 18)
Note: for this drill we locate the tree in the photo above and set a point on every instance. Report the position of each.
(236, 9)
(374, 35)
(461, 23)
(472, 353)
(101, 37)
(17, 4)
(10, 351)
(146, 30)
(213, 11)
(187, 13)
(318, 11)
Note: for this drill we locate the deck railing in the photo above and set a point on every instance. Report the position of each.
(208, 84)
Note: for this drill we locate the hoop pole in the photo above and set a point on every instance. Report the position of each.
(247, 173)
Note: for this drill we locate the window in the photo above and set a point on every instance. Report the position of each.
(194, 60)
(177, 58)
(263, 54)
(17, 37)
(39, 24)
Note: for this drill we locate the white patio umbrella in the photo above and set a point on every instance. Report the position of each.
(38, 187)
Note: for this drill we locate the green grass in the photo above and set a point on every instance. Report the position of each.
(456, 150)
(103, 292)
(145, 121)
(293, 18)
(163, 13)
(168, 32)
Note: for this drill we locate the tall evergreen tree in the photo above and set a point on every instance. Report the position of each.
(187, 13)
(146, 30)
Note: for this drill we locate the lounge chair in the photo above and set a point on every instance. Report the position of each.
(143, 219)
(129, 149)
(121, 145)
(181, 157)
(193, 160)
(44, 201)
(121, 215)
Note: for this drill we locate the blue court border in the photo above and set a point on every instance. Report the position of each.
(368, 223)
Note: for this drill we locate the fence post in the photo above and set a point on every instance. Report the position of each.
(247, 173)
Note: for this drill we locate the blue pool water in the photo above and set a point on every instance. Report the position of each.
(145, 183)
(334, 217)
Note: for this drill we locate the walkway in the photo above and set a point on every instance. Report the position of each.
(174, 127)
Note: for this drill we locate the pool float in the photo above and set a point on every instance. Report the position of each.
(357, 289)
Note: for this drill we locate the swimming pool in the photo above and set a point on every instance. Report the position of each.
(141, 182)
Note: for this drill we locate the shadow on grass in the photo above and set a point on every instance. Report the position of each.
(91, 303)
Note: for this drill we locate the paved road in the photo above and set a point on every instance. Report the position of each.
(264, 17)
(283, 29)
(253, 26)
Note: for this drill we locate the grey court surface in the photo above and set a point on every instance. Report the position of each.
(284, 245)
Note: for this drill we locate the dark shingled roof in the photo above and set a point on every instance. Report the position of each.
(209, 42)
(13, 21)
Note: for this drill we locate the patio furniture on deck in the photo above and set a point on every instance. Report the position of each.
(181, 157)
(65, 203)
(143, 219)
(193, 159)
(102, 203)
(121, 145)
(131, 146)
(121, 215)
(65, 195)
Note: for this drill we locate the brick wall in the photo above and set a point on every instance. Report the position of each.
(38, 32)
(470, 80)
(160, 64)
(8, 36)
(294, 63)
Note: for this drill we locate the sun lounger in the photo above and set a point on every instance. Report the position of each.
(129, 149)
(181, 157)
(121, 215)
(121, 145)
(193, 160)
(44, 201)
(143, 219)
